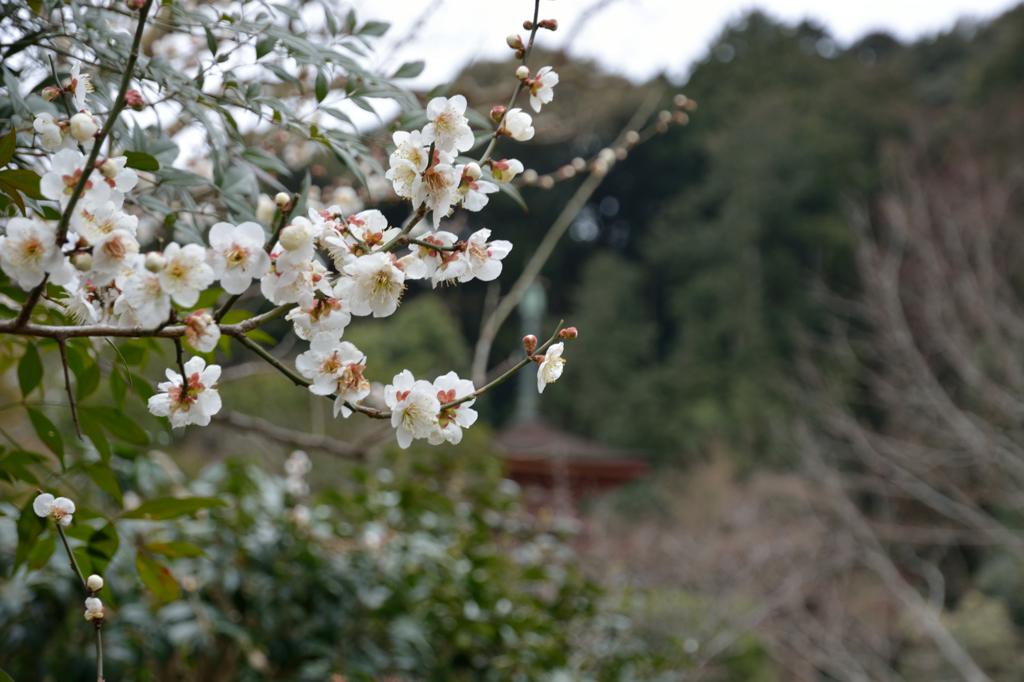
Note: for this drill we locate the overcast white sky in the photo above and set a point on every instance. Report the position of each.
(637, 38)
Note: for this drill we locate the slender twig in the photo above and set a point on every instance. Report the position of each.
(179, 352)
(71, 557)
(299, 439)
(60, 86)
(416, 218)
(404, 241)
(30, 302)
(99, 653)
(67, 385)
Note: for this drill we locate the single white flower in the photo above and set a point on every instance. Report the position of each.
(451, 421)
(237, 256)
(296, 244)
(439, 265)
(65, 172)
(373, 285)
(118, 177)
(186, 273)
(448, 128)
(483, 258)
(29, 250)
(407, 162)
(414, 407)
(92, 224)
(50, 136)
(335, 366)
(472, 192)
(93, 609)
(143, 299)
(551, 367)
(201, 332)
(325, 315)
(191, 402)
(298, 464)
(518, 125)
(112, 253)
(404, 177)
(84, 303)
(436, 187)
(294, 285)
(57, 509)
(80, 85)
(503, 171)
(541, 87)
(83, 126)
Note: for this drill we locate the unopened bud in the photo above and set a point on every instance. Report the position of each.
(283, 200)
(579, 164)
(568, 334)
(82, 261)
(135, 5)
(520, 53)
(537, 358)
(528, 25)
(530, 177)
(529, 344)
(472, 171)
(660, 127)
(515, 42)
(83, 126)
(133, 99)
(549, 24)
(632, 138)
(522, 73)
(681, 118)
(292, 237)
(621, 153)
(155, 261)
(566, 172)
(545, 182)
(679, 100)
(94, 583)
(497, 113)
(599, 167)
(107, 168)
(665, 115)
(50, 93)
(607, 155)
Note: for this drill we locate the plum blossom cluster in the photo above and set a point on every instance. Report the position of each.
(323, 268)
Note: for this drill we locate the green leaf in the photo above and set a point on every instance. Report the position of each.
(262, 337)
(157, 578)
(30, 527)
(280, 72)
(410, 69)
(94, 432)
(321, 85)
(41, 553)
(264, 45)
(211, 41)
(102, 547)
(13, 466)
(7, 146)
(118, 387)
(83, 559)
(103, 477)
(47, 432)
(374, 28)
(163, 508)
(261, 158)
(13, 194)
(142, 161)
(174, 549)
(142, 387)
(4, 677)
(88, 379)
(24, 180)
(30, 370)
(208, 299)
(118, 423)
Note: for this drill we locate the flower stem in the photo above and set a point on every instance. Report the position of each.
(99, 654)
(67, 385)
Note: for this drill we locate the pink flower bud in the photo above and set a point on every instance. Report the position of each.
(497, 113)
(135, 5)
(537, 358)
(133, 99)
(529, 344)
(283, 201)
(82, 261)
(107, 168)
(520, 53)
(549, 24)
(528, 25)
(515, 42)
(568, 334)
(50, 93)
(94, 583)
(522, 73)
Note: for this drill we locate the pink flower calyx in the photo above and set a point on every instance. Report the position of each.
(187, 396)
(498, 113)
(515, 42)
(51, 93)
(568, 334)
(529, 344)
(133, 99)
(549, 24)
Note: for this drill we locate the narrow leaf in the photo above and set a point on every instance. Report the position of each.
(30, 370)
(142, 161)
(7, 145)
(103, 477)
(163, 508)
(41, 553)
(47, 432)
(174, 549)
(321, 85)
(157, 578)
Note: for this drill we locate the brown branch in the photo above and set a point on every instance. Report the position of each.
(250, 424)
(67, 385)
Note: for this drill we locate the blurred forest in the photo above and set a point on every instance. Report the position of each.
(802, 308)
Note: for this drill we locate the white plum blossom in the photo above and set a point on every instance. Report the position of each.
(483, 258)
(93, 609)
(201, 332)
(83, 303)
(295, 285)
(92, 224)
(407, 162)
(65, 172)
(83, 127)
(472, 191)
(518, 125)
(118, 177)
(541, 87)
(186, 273)
(373, 285)
(551, 367)
(335, 366)
(80, 86)
(143, 299)
(451, 421)
(296, 244)
(436, 187)
(504, 170)
(29, 251)
(448, 127)
(50, 136)
(112, 253)
(438, 265)
(414, 408)
(57, 509)
(367, 229)
(191, 402)
(237, 256)
(325, 315)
